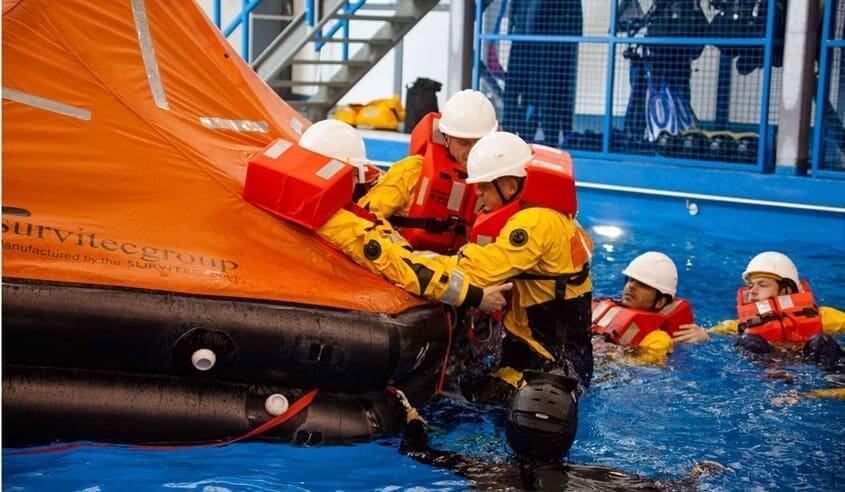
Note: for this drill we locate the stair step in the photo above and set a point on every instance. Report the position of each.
(372, 41)
(398, 19)
(308, 103)
(297, 83)
(359, 63)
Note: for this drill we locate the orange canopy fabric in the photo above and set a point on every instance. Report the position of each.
(127, 126)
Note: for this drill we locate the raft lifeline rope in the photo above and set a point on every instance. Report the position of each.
(450, 327)
(298, 406)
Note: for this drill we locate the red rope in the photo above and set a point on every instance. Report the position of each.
(449, 327)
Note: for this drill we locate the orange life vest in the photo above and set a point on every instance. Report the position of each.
(426, 132)
(298, 185)
(628, 326)
(443, 206)
(549, 182)
(791, 318)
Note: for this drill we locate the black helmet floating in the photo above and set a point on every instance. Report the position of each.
(543, 416)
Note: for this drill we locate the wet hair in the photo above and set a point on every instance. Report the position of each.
(788, 285)
(659, 295)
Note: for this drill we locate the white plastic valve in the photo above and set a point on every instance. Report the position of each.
(276, 404)
(203, 359)
(692, 208)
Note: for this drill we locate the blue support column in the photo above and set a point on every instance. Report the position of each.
(476, 60)
(764, 163)
(607, 124)
(823, 86)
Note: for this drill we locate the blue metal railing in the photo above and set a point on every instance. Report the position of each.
(762, 162)
(341, 25)
(242, 21)
(821, 125)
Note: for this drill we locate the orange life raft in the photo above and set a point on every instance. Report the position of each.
(127, 247)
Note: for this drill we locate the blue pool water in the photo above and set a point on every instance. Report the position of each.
(708, 403)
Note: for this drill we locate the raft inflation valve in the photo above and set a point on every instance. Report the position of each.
(203, 359)
(276, 404)
(692, 208)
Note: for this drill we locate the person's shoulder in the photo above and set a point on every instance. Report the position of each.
(540, 218)
(833, 320)
(412, 162)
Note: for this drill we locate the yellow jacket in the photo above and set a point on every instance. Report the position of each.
(654, 348)
(833, 322)
(536, 241)
(380, 249)
(394, 191)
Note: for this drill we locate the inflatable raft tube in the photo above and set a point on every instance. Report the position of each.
(45, 405)
(130, 255)
(83, 327)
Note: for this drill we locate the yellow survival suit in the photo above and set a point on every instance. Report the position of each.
(425, 196)
(539, 246)
(315, 191)
(649, 331)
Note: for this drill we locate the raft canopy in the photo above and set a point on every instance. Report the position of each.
(124, 156)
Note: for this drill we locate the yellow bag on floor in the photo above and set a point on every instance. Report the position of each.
(348, 113)
(381, 114)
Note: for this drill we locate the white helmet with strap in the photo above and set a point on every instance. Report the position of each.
(655, 270)
(468, 114)
(772, 263)
(496, 155)
(338, 140)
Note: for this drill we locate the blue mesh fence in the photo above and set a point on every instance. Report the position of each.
(829, 122)
(687, 81)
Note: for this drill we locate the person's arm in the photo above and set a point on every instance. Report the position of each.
(518, 248)
(395, 189)
(654, 348)
(725, 327)
(380, 249)
(833, 320)
(415, 445)
(690, 333)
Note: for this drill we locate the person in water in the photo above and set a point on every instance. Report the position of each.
(777, 309)
(648, 315)
(540, 429)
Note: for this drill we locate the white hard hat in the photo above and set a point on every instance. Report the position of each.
(338, 140)
(772, 263)
(468, 114)
(495, 155)
(656, 270)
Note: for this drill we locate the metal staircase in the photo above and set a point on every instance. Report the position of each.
(330, 73)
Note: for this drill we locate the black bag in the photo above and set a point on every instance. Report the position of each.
(420, 99)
